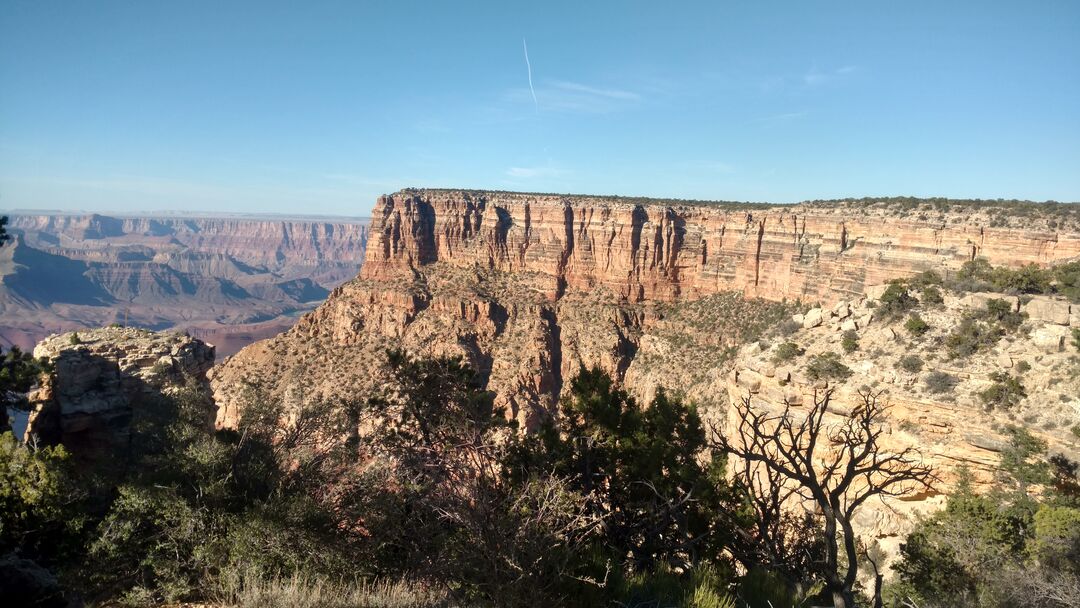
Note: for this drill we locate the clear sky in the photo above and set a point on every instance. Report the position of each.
(318, 107)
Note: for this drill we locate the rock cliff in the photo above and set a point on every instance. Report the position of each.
(528, 288)
(644, 251)
(100, 376)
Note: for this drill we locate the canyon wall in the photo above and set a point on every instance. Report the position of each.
(693, 298)
(528, 288)
(657, 251)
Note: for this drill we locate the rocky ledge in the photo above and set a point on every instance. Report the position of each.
(99, 376)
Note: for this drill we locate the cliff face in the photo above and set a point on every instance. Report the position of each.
(221, 277)
(646, 252)
(528, 288)
(88, 401)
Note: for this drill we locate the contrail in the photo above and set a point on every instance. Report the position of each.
(529, 67)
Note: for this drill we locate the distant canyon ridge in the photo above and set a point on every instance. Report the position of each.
(227, 279)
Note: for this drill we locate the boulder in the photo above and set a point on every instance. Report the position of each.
(874, 292)
(841, 310)
(1049, 310)
(849, 325)
(749, 380)
(813, 318)
(1004, 360)
(1050, 338)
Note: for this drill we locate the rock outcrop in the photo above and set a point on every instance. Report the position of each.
(951, 425)
(100, 376)
(658, 251)
(528, 288)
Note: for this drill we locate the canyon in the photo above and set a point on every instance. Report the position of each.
(690, 297)
(528, 288)
(697, 299)
(228, 279)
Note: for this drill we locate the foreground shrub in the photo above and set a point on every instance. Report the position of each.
(199, 504)
(786, 352)
(1005, 392)
(39, 501)
(1004, 549)
(636, 466)
(251, 590)
(938, 382)
(827, 366)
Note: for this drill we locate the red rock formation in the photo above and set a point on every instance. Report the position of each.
(528, 288)
(648, 252)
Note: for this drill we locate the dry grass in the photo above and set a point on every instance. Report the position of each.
(306, 592)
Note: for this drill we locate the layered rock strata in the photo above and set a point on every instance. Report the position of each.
(231, 279)
(99, 377)
(528, 288)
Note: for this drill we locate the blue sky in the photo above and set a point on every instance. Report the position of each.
(318, 107)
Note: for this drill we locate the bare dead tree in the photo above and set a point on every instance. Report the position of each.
(837, 467)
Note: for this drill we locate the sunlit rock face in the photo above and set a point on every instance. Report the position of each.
(528, 288)
(100, 377)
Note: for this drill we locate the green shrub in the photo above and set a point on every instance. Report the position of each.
(827, 366)
(911, 363)
(939, 382)
(37, 496)
(1026, 279)
(970, 337)
(1023, 366)
(925, 279)
(786, 352)
(1004, 314)
(932, 295)
(1005, 392)
(981, 329)
(895, 301)
(1076, 337)
(916, 325)
(849, 341)
(75, 340)
(1002, 548)
(788, 327)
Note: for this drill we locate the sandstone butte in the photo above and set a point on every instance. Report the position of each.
(529, 287)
